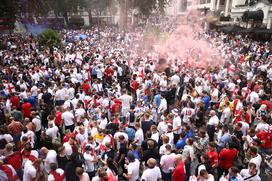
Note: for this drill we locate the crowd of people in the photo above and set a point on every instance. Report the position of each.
(104, 108)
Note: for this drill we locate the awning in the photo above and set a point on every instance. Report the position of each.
(76, 20)
(231, 29)
(253, 15)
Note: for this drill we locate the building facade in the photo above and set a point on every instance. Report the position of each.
(246, 13)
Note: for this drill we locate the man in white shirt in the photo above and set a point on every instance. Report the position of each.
(163, 105)
(50, 157)
(90, 160)
(139, 134)
(253, 97)
(212, 123)
(250, 173)
(79, 112)
(30, 171)
(68, 119)
(52, 130)
(167, 163)
(152, 173)
(255, 158)
(38, 125)
(126, 101)
(176, 125)
(133, 168)
(187, 113)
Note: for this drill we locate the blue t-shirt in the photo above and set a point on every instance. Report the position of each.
(157, 99)
(181, 143)
(206, 100)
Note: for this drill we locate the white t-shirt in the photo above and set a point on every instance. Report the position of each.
(37, 122)
(126, 100)
(162, 127)
(7, 137)
(151, 174)
(253, 97)
(29, 171)
(213, 121)
(261, 127)
(244, 128)
(133, 169)
(89, 162)
(257, 160)
(214, 95)
(79, 112)
(68, 148)
(51, 157)
(52, 132)
(167, 162)
(68, 118)
(139, 136)
(187, 114)
(176, 124)
(245, 174)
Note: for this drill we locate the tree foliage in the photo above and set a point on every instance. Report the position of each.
(147, 7)
(49, 38)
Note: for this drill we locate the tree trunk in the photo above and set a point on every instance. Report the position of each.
(90, 17)
(65, 15)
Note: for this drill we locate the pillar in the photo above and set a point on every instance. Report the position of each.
(227, 7)
(217, 4)
(213, 5)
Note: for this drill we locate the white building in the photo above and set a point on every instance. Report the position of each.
(252, 14)
(247, 13)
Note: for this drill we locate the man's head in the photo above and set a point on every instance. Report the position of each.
(151, 162)
(252, 168)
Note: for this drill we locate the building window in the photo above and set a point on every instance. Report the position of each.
(222, 2)
(208, 1)
(183, 5)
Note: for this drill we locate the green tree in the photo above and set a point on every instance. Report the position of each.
(96, 7)
(49, 38)
(146, 7)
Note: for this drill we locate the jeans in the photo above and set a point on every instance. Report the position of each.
(166, 176)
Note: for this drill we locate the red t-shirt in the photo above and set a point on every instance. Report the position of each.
(8, 171)
(266, 139)
(26, 109)
(14, 160)
(108, 72)
(213, 156)
(179, 172)
(86, 88)
(134, 86)
(226, 158)
(58, 120)
(15, 101)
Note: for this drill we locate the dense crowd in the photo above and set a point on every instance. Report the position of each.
(104, 108)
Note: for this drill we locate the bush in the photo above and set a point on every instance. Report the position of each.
(49, 38)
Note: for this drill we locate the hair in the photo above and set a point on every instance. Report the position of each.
(190, 141)
(234, 170)
(253, 149)
(53, 166)
(251, 164)
(79, 170)
(131, 157)
(121, 137)
(203, 172)
(168, 147)
(150, 144)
